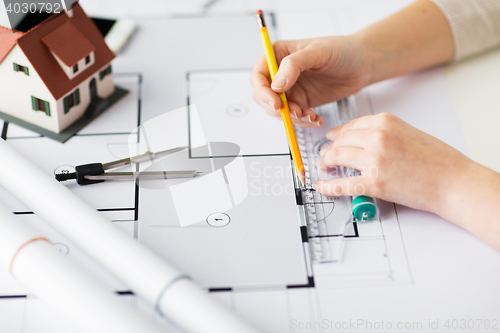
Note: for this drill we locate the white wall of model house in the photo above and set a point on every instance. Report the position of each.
(82, 65)
(105, 87)
(16, 89)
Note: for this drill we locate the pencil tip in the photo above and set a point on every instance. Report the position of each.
(302, 178)
(259, 12)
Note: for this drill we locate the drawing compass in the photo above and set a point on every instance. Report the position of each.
(96, 172)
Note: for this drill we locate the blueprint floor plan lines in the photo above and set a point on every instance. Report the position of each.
(240, 228)
(101, 141)
(239, 118)
(221, 108)
(273, 259)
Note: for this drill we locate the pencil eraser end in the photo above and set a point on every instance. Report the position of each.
(259, 12)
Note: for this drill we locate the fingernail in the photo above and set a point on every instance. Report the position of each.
(271, 104)
(304, 118)
(315, 186)
(294, 115)
(318, 121)
(310, 119)
(278, 83)
(323, 151)
(320, 165)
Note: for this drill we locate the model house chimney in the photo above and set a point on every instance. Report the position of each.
(68, 6)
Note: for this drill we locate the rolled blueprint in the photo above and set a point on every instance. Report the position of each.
(91, 305)
(144, 272)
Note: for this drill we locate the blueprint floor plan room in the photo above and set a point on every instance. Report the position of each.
(240, 229)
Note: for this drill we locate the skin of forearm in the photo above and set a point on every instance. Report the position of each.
(412, 39)
(472, 201)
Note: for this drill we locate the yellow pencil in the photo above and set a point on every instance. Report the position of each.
(285, 111)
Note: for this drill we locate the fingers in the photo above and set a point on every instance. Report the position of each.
(269, 100)
(304, 117)
(359, 123)
(263, 94)
(369, 144)
(342, 156)
(271, 103)
(344, 186)
(266, 106)
(358, 138)
(291, 66)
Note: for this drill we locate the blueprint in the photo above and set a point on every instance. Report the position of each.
(259, 256)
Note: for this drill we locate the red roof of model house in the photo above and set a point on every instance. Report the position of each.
(8, 40)
(68, 43)
(70, 39)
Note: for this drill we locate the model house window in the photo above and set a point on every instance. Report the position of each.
(40, 105)
(71, 100)
(87, 60)
(19, 68)
(105, 72)
(75, 68)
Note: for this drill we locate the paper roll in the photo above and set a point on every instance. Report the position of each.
(204, 315)
(91, 305)
(144, 272)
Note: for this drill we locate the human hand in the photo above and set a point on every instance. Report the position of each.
(312, 72)
(398, 163)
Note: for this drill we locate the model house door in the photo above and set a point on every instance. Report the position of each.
(93, 90)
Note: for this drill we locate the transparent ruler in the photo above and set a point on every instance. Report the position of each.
(326, 217)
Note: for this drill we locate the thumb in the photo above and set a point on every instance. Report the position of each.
(290, 68)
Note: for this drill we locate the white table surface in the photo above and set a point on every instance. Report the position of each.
(475, 90)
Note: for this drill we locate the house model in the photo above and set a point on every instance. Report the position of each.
(56, 75)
